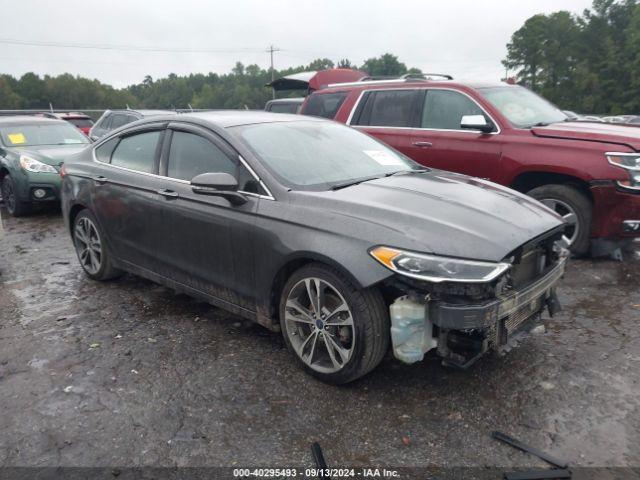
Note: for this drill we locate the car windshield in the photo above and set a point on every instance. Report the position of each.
(522, 107)
(320, 155)
(30, 135)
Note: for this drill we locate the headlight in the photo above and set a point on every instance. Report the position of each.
(434, 268)
(32, 165)
(631, 163)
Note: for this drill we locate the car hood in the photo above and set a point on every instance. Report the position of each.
(53, 155)
(440, 212)
(627, 135)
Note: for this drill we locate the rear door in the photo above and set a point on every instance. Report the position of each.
(440, 142)
(126, 200)
(389, 115)
(205, 241)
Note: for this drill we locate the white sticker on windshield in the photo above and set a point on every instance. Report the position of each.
(383, 158)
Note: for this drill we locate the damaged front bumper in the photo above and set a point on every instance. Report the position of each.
(463, 332)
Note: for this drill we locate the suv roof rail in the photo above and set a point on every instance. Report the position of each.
(407, 77)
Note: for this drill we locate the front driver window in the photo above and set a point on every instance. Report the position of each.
(444, 109)
(191, 155)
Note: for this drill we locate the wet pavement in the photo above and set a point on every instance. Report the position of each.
(127, 373)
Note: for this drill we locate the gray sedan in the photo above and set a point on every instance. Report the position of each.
(319, 231)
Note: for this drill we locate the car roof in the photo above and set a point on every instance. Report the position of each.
(27, 120)
(410, 83)
(145, 113)
(234, 118)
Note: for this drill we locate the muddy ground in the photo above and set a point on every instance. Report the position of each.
(127, 373)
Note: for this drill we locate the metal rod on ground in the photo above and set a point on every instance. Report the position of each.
(528, 449)
(318, 457)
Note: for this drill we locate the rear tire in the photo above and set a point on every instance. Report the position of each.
(12, 203)
(91, 248)
(354, 338)
(573, 206)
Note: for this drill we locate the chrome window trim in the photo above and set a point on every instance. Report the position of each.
(357, 103)
(269, 195)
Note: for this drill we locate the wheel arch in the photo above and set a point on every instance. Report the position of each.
(527, 181)
(73, 213)
(291, 264)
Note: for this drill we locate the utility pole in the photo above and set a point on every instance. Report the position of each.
(272, 49)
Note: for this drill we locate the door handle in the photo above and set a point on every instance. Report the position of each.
(100, 179)
(166, 193)
(423, 144)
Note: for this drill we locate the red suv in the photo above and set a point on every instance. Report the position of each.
(589, 173)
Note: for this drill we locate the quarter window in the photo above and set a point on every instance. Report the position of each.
(389, 108)
(191, 155)
(324, 104)
(444, 109)
(119, 120)
(137, 152)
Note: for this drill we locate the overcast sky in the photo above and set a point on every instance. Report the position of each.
(465, 38)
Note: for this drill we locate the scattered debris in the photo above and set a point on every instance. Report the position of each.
(134, 371)
(68, 389)
(547, 385)
(152, 340)
(118, 336)
(528, 449)
(540, 329)
(60, 319)
(94, 345)
(318, 456)
(406, 441)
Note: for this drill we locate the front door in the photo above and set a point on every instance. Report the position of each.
(440, 142)
(205, 241)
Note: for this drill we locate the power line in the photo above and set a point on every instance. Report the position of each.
(11, 41)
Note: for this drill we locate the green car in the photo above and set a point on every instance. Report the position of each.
(32, 149)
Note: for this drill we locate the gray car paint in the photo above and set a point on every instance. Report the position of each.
(246, 248)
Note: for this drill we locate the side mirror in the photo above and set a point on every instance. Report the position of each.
(476, 122)
(219, 185)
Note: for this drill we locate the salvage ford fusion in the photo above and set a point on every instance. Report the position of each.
(320, 231)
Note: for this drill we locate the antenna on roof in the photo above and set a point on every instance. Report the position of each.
(51, 107)
(190, 107)
(127, 106)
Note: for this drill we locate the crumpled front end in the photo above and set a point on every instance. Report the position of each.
(463, 321)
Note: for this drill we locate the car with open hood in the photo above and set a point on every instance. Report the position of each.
(587, 171)
(31, 151)
(319, 231)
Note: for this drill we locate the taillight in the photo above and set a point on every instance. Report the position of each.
(63, 172)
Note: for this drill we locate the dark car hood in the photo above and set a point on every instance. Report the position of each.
(52, 154)
(442, 213)
(627, 135)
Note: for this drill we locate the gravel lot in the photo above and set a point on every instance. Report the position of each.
(128, 373)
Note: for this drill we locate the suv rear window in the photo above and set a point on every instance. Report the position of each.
(388, 108)
(324, 104)
(80, 122)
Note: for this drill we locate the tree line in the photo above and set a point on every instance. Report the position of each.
(243, 87)
(589, 63)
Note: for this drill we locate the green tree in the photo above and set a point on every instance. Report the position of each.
(384, 65)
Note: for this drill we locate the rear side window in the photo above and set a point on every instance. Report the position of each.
(444, 109)
(324, 105)
(284, 107)
(191, 155)
(389, 108)
(119, 120)
(137, 152)
(104, 151)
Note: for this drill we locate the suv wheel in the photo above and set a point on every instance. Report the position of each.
(337, 332)
(91, 248)
(574, 207)
(14, 206)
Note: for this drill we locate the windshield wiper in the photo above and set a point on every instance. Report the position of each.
(339, 186)
(418, 170)
(540, 124)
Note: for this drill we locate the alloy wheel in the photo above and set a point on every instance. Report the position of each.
(8, 195)
(88, 245)
(319, 325)
(569, 215)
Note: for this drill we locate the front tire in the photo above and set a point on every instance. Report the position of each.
(13, 204)
(336, 332)
(572, 205)
(91, 248)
